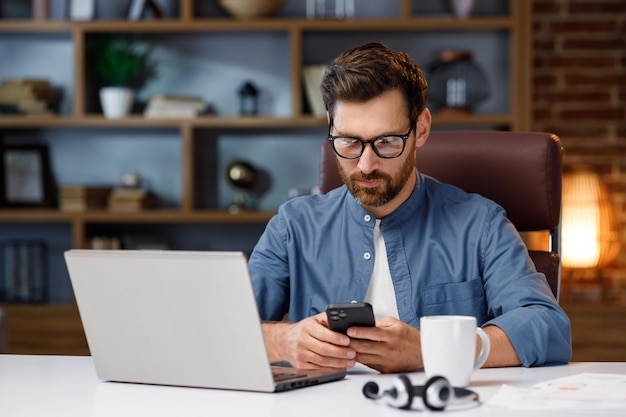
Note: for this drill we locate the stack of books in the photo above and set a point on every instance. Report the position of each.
(131, 199)
(26, 96)
(174, 106)
(83, 198)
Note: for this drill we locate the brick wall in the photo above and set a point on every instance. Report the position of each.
(580, 94)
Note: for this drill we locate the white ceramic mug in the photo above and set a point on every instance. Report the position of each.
(449, 347)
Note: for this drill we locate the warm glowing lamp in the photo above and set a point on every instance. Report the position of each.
(589, 225)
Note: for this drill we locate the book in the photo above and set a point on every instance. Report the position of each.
(172, 101)
(313, 75)
(128, 194)
(29, 106)
(14, 88)
(170, 113)
(174, 106)
(30, 96)
(84, 191)
(130, 199)
(78, 204)
(83, 198)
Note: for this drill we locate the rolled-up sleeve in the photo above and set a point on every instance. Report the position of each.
(520, 300)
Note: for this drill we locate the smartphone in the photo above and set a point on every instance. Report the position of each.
(344, 315)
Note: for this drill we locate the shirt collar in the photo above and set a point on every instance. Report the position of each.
(410, 207)
(406, 210)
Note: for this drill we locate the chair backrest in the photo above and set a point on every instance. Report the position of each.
(3, 333)
(521, 171)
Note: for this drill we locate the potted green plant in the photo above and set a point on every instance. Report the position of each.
(122, 66)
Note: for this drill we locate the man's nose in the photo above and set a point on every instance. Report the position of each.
(368, 161)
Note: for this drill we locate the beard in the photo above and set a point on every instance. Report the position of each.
(382, 194)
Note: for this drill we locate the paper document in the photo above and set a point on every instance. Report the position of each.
(585, 391)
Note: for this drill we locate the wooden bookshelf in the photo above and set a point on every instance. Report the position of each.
(514, 25)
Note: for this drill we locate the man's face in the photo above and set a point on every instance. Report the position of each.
(372, 180)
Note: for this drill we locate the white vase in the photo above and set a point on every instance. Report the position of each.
(462, 9)
(116, 102)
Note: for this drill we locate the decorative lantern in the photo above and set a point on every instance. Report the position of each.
(589, 229)
(248, 99)
(457, 83)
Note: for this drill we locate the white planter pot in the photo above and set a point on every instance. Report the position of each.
(116, 101)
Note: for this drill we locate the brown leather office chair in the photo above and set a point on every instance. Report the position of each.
(3, 333)
(521, 171)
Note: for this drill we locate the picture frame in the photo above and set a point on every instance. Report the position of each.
(25, 176)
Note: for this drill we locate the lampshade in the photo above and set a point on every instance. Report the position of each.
(589, 227)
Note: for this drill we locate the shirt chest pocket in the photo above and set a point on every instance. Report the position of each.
(459, 298)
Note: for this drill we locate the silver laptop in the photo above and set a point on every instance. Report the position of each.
(177, 318)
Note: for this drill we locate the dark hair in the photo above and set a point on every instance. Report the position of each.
(365, 72)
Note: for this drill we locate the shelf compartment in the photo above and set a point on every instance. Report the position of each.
(50, 329)
(212, 67)
(179, 235)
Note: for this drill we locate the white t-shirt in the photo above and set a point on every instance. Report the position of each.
(380, 293)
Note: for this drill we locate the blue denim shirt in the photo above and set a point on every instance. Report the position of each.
(449, 252)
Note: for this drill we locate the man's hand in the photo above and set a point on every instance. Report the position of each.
(308, 344)
(391, 346)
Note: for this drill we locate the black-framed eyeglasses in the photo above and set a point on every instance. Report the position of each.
(385, 146)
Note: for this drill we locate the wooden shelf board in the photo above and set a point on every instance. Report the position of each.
(414, 23)
(35, 215)
(146, 216)
(29, 122)
(151, 216)
(218, 122)
(27, 26)
(218, 24)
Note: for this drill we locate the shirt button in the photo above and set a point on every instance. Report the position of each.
(367, 218)
(367, 256)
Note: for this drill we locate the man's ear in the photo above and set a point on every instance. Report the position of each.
(422, 128)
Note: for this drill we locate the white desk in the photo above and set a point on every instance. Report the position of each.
(68, 387)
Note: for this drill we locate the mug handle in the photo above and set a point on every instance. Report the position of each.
(484, 350)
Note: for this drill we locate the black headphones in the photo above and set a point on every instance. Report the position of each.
(437, 393)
